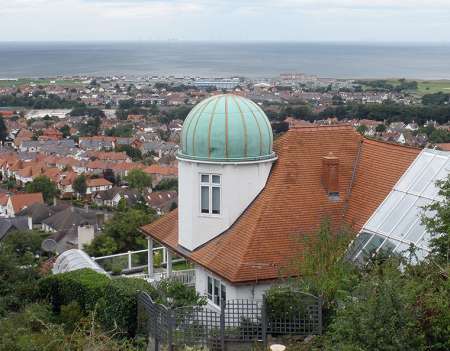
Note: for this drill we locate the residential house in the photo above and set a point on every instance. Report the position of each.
(162, 201)
(112, 197)
(9, 225)
(159, 173)
(95, 185)
(4, 197)
(245, 208)
(73, 228)
(18, 202)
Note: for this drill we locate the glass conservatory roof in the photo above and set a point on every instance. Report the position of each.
(74, 259)
(396, 224)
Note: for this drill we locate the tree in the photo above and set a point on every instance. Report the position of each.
(3, 129)
(121, 233)
(381, 128)
(138, 179)
(108, 174)
(20, 254)
(362, 129)
(439, 224)
(379, 314)
(167, 184)
(79, 184)
(337, 100)
(133, 153)
(65, 130)
(44, 185)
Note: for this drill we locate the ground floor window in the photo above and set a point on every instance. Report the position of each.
(217, 292)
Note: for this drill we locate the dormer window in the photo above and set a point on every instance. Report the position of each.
(210, 193)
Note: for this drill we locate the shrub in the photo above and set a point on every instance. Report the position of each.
(176, 294)
(71, 315)
(84, 286)
(118, 308)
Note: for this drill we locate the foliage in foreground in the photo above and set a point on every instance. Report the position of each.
(113, 300)
(37, 328)
(391, 304)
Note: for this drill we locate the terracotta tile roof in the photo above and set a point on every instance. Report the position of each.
(380, 167)
(126, 166)
(97, 182)
(161, 198)
(444, 146)
(113, 156)
(162, 170)
(20, 201)
(3, 199)
(97, 164)
(267, 237)
(67, 178)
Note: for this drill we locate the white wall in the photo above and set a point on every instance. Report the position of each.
(240, 184)
(234, 291)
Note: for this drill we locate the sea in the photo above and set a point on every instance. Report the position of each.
(224, 59)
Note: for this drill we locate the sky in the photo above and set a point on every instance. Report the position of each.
(226, 20)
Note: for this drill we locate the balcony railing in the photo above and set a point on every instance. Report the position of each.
(131, 261)
(132, 264)
(185, 276)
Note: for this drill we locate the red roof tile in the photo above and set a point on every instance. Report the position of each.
(98, 182)
(266, 238)
(20, 201)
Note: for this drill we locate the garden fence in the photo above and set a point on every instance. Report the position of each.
(237, 325)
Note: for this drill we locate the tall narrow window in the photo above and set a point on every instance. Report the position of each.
(216, 291)
(210, 288)
(210, 193)
(205, 199)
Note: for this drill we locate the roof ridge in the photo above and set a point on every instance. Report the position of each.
(320, 126)
(390, 143)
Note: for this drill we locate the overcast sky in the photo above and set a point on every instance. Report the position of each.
(226, 20)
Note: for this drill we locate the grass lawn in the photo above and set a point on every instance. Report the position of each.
(424, 86)
(433, 86)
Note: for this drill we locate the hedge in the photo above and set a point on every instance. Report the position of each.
(118, 307)
(113, 300)
(84, 286)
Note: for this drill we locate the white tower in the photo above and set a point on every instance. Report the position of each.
(224, 163)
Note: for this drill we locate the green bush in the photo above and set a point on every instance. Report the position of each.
(84, 286)
(70, 315)
(118, 308)
(176, 294)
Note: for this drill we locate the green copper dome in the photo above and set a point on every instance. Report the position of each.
(226, 128)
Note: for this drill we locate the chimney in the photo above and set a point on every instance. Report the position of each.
(330, 174)
(86, 234)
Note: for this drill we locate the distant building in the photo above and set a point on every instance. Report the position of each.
(18, 202)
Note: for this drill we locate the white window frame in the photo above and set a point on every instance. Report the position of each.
(212, 296)
(210, 185)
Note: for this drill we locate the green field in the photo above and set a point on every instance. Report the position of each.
(39, 81)
(433, 86)
(424, 86)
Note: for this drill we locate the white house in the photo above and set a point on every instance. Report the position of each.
(95, 185)
(245, 208)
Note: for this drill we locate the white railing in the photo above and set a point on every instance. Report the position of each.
(185, 276)
(128, 265)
